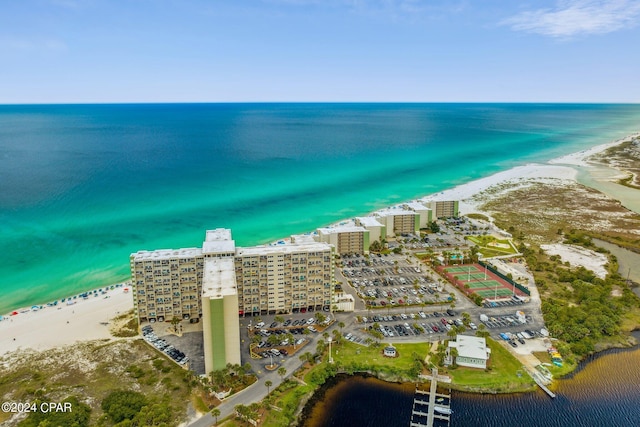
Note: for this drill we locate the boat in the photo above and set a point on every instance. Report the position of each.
(442, 409)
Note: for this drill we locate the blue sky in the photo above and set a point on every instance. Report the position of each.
(59, 51)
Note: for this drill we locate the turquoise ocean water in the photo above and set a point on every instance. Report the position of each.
(83, 186)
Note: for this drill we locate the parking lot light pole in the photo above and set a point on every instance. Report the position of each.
(330, 356)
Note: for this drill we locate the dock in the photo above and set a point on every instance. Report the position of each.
(423, 413)
(543, 387)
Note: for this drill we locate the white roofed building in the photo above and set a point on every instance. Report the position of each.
(472, 351)
(399, 221)
(377, 230)
(425, 213)
(347, 239)
(444, 208)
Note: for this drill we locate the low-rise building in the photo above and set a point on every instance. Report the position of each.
(472, 351)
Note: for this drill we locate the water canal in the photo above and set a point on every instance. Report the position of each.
(603, 391)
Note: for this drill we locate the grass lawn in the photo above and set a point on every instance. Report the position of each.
(486, 248)
(556, 371)
(502, 376)
(348, 353)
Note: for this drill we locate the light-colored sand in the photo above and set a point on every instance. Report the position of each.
(579, 256)
(581, 158)
(521, 175)
(64, 324)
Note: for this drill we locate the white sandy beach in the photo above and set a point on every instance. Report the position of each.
(63, 324)
(86, 320)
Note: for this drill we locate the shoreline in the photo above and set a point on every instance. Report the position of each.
(555, 170)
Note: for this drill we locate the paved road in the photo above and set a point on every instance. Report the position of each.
(258, 391)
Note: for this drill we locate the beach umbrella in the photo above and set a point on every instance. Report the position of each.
(14, 313)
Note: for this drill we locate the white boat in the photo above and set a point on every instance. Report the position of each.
(442, 409)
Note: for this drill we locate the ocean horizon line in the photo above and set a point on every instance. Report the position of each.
(124, 103)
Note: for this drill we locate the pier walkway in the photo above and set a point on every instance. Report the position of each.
(426, 412)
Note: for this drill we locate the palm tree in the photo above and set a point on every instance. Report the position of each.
(175, 321)
(341, 325)
(216, 413)
(452, 332)
(466, 318)
(268, 384)
(282, 372)
(482, 331)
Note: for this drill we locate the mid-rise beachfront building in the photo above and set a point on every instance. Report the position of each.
(347, 239)
(219, 282)
(424, 213)
(377, 231)
(444, 208)
(399, 221)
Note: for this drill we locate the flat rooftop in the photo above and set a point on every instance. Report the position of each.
(417, 206)
(394, 211)
(218, 241)
(368, 221)
(160, 254)
(341, 229)
(304, 238)
(219, 277)
(284, 248)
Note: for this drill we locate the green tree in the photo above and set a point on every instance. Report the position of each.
(341, 325)
(122, 405)
(466, 318)
(268, 384)
(216, 413)
(282, 372)
(320, 317)
(175, 321)
(77, 417)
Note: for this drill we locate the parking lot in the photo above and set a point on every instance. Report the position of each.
(414, 324)
(389, 280)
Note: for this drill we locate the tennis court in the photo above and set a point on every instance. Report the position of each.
(475, 279)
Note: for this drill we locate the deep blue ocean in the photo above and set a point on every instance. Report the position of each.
(83, 186)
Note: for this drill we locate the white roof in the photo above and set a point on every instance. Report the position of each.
(167, 254)
(285, 248)
(468, 346)
(368, 221)
(417, 206)
(219, 277)
(218, 240)
(394, 212)
(304, 238)
(342, 229)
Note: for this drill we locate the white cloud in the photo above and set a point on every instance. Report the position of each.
(578, 17)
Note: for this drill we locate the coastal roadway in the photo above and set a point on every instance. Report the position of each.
(258, 391)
